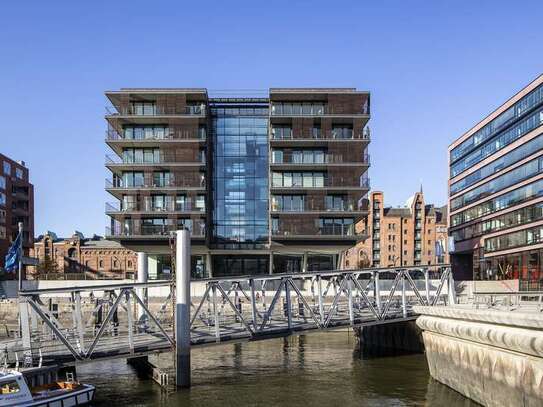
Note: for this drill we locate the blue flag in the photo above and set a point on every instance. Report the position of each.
(439, 248)
(12, 258)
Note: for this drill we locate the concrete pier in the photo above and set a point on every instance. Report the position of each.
(494, 357)
(390, 339)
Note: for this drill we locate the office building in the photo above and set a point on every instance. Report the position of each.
(265, 184)
(496, 193)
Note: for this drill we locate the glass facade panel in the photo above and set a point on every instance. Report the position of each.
(503, 139)
(528, 102)
(515, 176)
(533, 190)
(503, 162)
(240, 177)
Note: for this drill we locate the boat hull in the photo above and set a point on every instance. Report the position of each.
(79, 397)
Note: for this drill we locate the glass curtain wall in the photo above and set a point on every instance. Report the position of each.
(240, 175)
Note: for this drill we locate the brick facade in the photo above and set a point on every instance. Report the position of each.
(96, 257)
(402, 236)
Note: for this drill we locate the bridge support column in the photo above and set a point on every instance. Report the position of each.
(143, 277)
(182, 308)
(24, 324)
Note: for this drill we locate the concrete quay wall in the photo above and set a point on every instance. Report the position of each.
(493, 357)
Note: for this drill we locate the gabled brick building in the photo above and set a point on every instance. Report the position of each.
(403, 236)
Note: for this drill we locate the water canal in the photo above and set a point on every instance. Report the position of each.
(319, 369)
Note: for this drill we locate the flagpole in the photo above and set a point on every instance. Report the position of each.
(20, 256)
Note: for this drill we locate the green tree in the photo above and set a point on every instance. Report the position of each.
(47, 266)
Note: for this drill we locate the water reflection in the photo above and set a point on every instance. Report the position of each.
(319, 369)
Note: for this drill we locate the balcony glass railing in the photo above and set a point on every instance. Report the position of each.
(289, 229)
(157, 158)
(316, 205)
(163, 134)
(313, 109)
(181, 181)
(150, 109)
(137, 228)
(316, 159)
(149, 206)
(281, 134)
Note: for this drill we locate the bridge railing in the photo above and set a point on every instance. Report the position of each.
(509, 300)
(87, 322)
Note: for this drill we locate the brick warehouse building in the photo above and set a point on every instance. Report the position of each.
(95, 257)
(496, 193)
(403, 236)
(16, 205)
(267, 184)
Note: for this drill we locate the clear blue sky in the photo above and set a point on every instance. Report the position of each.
(434, 68)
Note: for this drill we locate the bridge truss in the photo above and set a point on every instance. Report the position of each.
(130, 319)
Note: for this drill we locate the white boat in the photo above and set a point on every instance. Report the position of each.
(14, 391)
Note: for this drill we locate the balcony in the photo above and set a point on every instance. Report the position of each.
(318, 161)
(137, 230)
(172, 159)
(326, 182)
(318, 205)
(313, 109)
(174, 182)
(289, 137)
(311, 231)
(147, 206)
(169, 134)
(151, 109)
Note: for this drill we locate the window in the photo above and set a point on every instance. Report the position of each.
(510, 158)
(133, 179)
(298, 179)
(10, 388)
(294, 203)
(19, 173)
(281, 132)
(129, 203)
(129, 264)
(342, 132)
(162, 179)
(2, 199)
(512, 177)
(7, 168)
(143, 108)
(3, 234)
(101, 264)
(294, 109)
(2, 182)
(503, 139)
(201, 203)
(501, 202)
(336, 203)
(146, 132)
(277, 156)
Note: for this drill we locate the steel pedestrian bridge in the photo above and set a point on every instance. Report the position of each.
(124, 320)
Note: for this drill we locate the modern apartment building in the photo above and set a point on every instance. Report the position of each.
(266, 185)
(496, 193)
(16, 204)
(415, 234)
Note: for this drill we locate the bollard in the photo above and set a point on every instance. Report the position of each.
(143, 276)
(182, 308)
